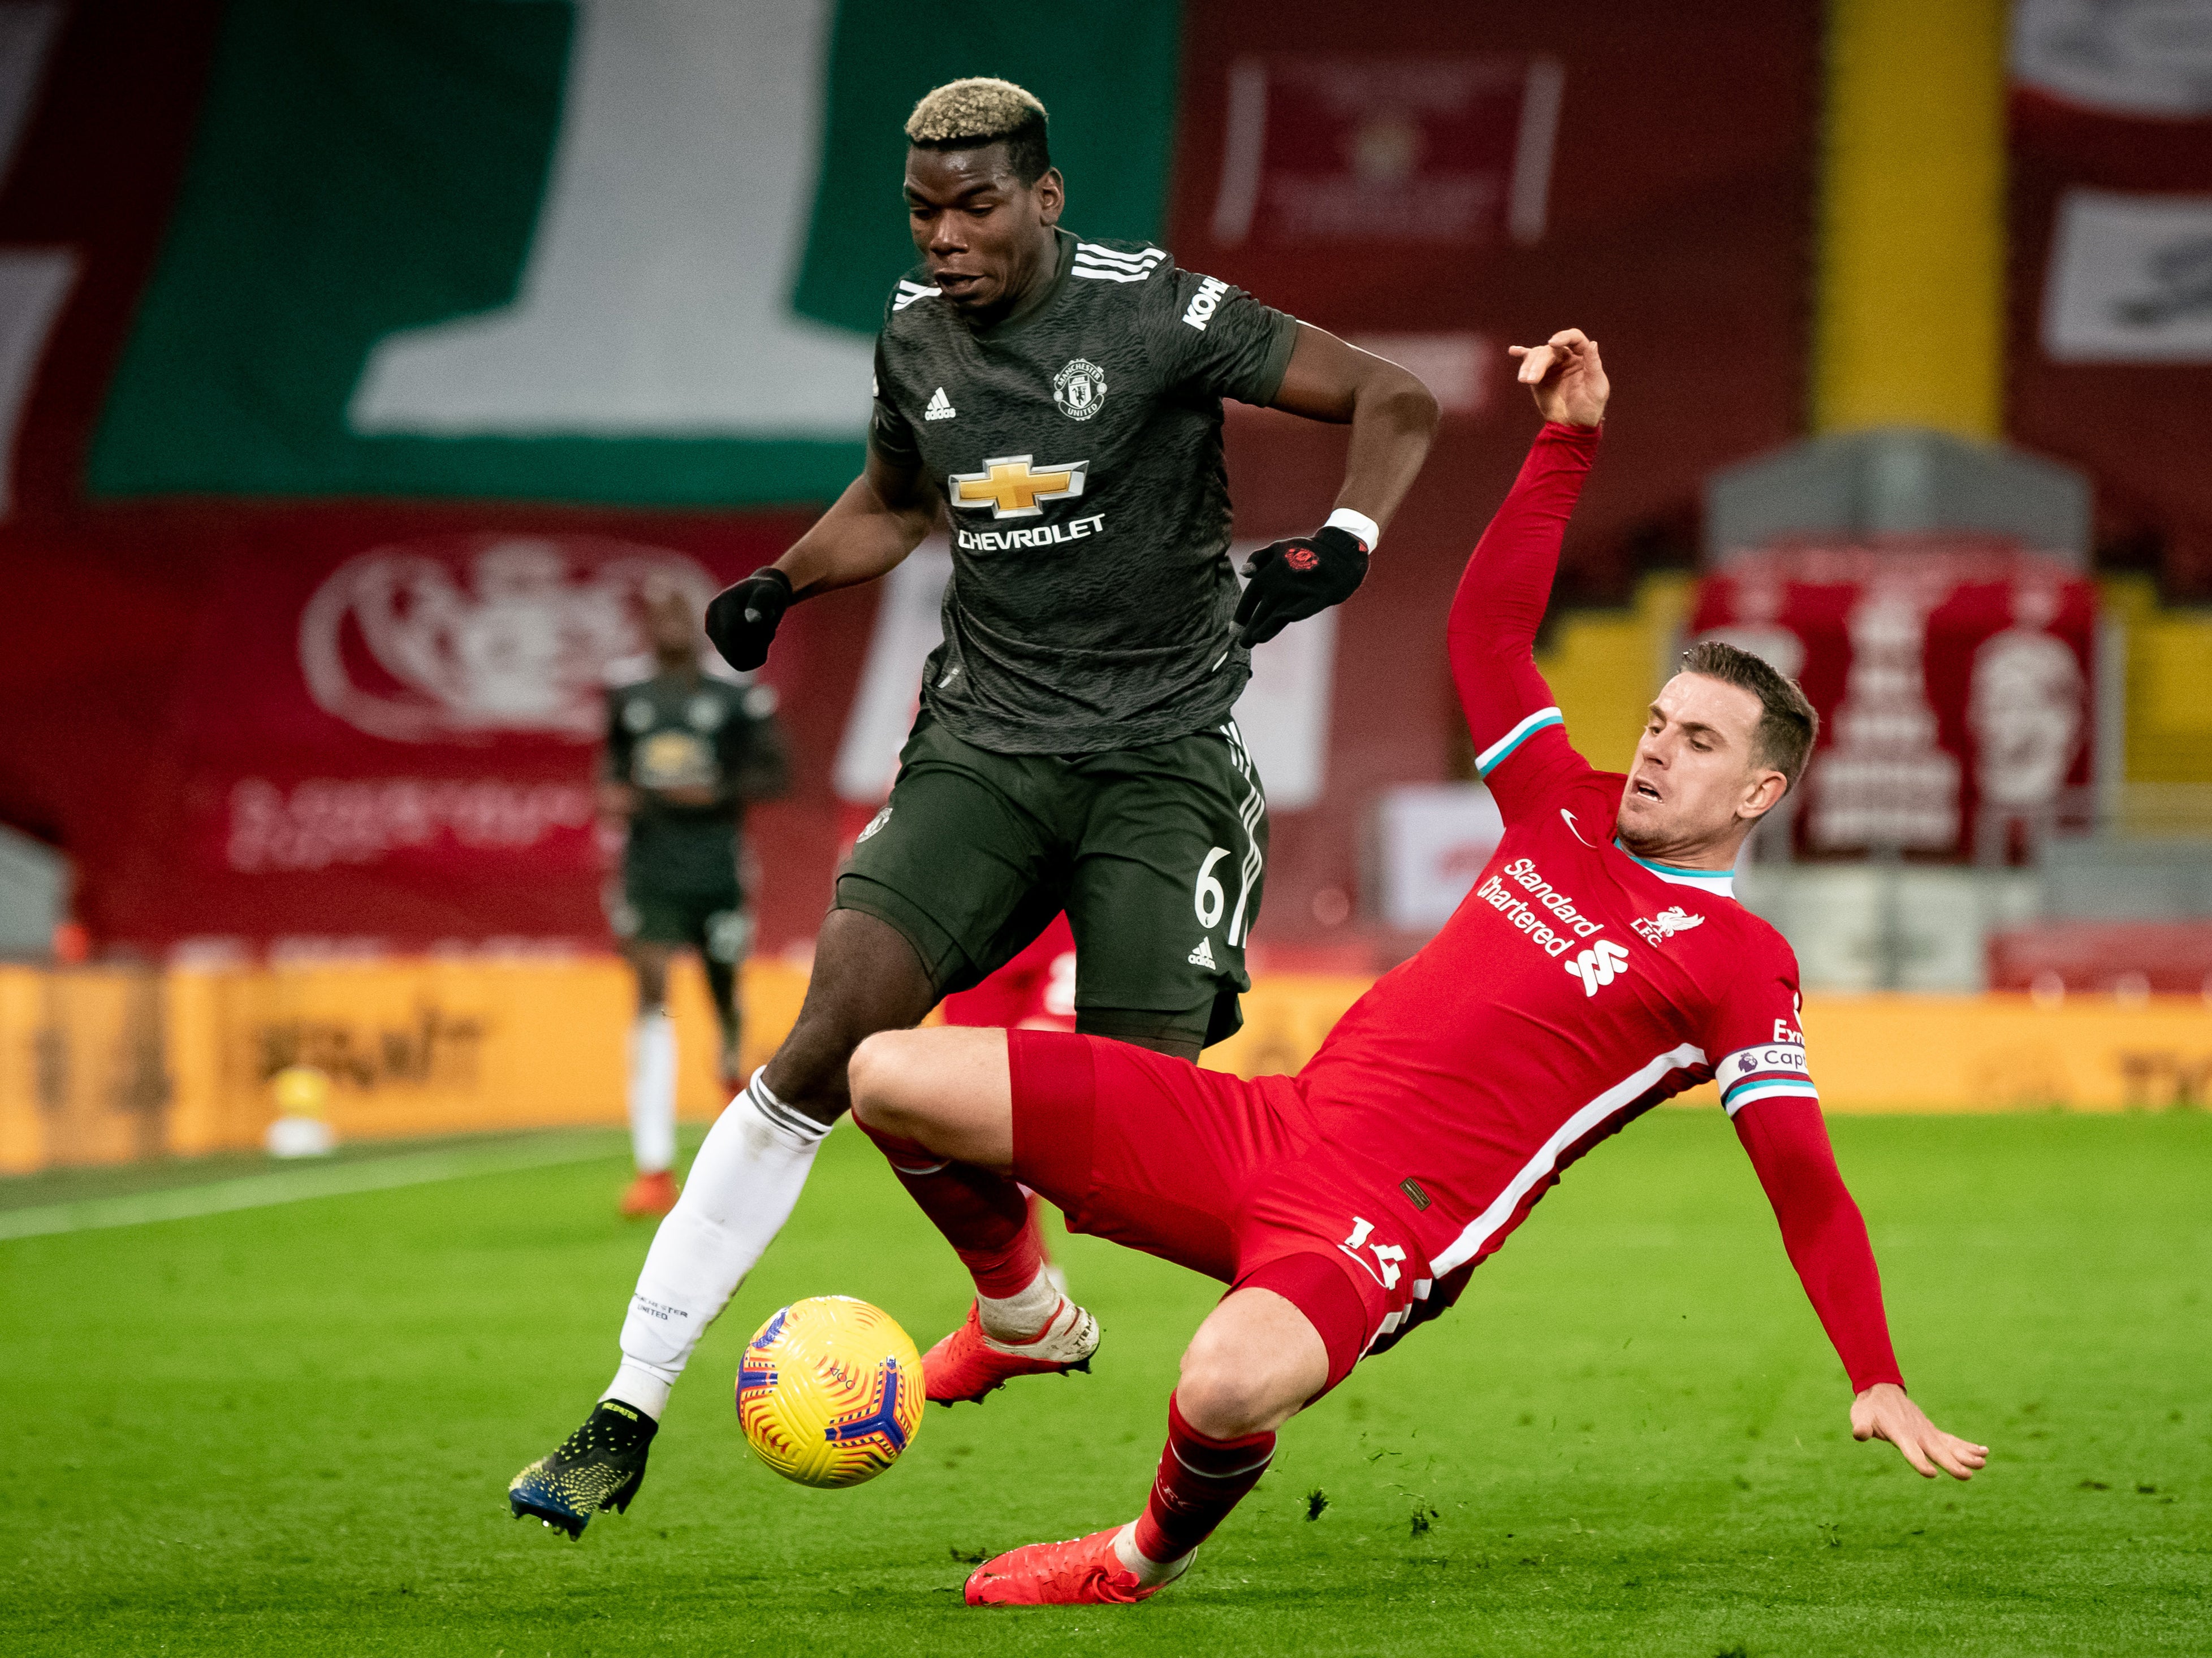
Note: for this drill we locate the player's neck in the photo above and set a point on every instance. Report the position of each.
(1040, 278)
(1705, 856)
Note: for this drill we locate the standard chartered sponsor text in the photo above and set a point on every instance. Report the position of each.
(1542, 930)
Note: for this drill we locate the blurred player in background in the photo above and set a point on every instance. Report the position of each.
(1602, 965)
(1075, 750)
(686, 752)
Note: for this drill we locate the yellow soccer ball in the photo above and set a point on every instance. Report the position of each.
(829, 1391)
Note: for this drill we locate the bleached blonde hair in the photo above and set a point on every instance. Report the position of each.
(975, 111)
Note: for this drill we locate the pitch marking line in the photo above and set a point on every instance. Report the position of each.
(298, 1185)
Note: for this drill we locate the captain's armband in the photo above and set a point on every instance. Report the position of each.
(1769, 1070)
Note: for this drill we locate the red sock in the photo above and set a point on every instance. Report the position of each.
(1200, 1480)
(984, 1216)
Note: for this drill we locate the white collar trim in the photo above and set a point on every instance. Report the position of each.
(1722, 881)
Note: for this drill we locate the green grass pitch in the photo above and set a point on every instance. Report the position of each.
(289, 1430)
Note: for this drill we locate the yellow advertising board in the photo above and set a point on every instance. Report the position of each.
(106, 1065)
(428, 1048)
(2009, 1052)
(81, 1077)
(110, 1066)
(412, 1049)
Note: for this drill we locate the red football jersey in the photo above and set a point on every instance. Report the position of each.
(1576, 985)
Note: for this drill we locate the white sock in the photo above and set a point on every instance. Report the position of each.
(645, 1385)
(653, 1094)
(744, 1183)
(1020, 1317)
(1149, 1571)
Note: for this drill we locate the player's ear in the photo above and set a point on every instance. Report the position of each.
(1763, 793)
(1051, 194)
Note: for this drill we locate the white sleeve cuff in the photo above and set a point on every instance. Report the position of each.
(1370, 532)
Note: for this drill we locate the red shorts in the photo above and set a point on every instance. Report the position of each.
(1221, 1176)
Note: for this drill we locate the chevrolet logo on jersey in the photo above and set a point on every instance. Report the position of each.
(1011, 487)
(673, 759)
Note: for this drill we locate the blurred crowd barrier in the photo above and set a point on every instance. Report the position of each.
(103, 1065)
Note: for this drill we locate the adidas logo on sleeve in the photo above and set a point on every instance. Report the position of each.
(941, 406)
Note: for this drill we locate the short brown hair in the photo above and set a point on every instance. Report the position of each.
(1788, 722)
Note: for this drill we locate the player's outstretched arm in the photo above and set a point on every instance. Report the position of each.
(1885, 1412)
(1491, 632)
(1508, 582)
(1826, 1237)
(1393, 418)
(881, 518)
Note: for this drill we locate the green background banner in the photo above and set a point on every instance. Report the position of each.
(1104, 68)
(380, 167)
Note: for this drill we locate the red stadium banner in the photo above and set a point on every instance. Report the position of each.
(2109, 187)
(1452, 149)
(1954, 683)
(382, 729)
(429, 704)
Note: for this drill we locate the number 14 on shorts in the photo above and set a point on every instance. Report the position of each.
(1386, 1255)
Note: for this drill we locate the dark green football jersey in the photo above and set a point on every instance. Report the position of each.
(1077, 445)
(682, 732)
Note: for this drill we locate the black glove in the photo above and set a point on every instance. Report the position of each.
(1293, 579)
(741, 619)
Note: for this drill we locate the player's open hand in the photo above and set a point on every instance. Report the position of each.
(1884, 1412)
(1567, 377)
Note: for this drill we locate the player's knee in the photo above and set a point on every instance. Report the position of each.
(872, 1074)
(1223, 1393)
(866, 1076)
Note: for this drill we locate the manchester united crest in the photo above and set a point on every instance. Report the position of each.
(1080, 389)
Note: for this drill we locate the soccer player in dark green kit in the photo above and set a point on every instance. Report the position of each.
(1059, 401)
(685, 754)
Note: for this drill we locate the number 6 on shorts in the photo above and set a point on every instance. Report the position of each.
(1208, 899)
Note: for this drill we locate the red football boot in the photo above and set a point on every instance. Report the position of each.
(968, 1365)
(650, 1194)
(1085, 1572)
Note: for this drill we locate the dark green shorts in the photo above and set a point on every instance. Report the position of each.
(715, 924)
(1156, 853)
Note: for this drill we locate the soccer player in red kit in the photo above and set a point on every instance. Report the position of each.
(1600, 965)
